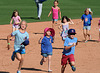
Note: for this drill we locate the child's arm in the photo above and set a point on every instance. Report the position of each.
(20, 20)
(8, 41)
(59, 12)
(50, 12)
(68, 47)
(79, 21)
(71, 22)
(60, 27)
(40, 40)
(11, 21)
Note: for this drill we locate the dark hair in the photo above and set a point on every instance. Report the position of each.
(56, 1)
(65, 18)
(14, 13)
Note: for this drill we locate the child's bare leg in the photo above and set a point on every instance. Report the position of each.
(88, 34)
(49, 62)
(21, 59)
(73, 66)
(63, 68)
(13, 29)
(85, 35)
(44, 59)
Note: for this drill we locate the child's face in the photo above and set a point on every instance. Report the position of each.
(55, 3)
(48, 33)
(72, 36)
(64, 20)
(23, 25)
(87, 12)
(16, 13)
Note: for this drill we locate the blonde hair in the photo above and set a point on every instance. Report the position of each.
(21, 23)
(89, 9)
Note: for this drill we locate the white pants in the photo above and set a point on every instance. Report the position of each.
(39, 9)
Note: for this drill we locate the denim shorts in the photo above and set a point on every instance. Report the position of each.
(15, 26)
(87, 27)
(46, 54)
(21, 51)
(54, 19)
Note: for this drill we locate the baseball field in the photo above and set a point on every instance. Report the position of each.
(87, 56)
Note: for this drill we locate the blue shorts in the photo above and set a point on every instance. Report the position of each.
(87, 27)
(54, 19)
(46, 54)
(21, 51)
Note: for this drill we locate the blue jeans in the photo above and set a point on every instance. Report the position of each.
(46, 54)
(87, 27)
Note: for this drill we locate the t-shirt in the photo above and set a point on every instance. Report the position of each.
(16, 19)
(19, 39)
(69, 42)
(46, 44)
(87, 19)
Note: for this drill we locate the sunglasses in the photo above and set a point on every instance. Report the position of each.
(72, 33)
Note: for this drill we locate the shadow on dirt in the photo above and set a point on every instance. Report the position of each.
(4, 72)
(38, 33)
(3, 39)
(83, 41)
(57, 48)
(33, 69)
(29, 18)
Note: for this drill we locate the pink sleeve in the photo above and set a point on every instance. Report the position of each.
(19, 17)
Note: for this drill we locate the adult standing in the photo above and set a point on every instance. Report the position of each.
(39, 4)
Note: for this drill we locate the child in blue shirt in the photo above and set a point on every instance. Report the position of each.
(46, 46)
(19, 48)
(69, 49)
(86, 18)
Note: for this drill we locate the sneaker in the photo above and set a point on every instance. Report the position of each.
(86, 41)
(38, 18)
(13, 56)
(41, 62)
(73, 68)
(18, 71)
(49, 70)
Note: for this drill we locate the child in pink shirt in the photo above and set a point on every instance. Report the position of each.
(16, 20)
(54, 10)
(99, 30)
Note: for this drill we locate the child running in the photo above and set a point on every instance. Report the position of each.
(69, 49)
(46, 46)
(99, 30)
(16, 20)
(64, 27)
(54, 10)
(21, 40)
(86, 18)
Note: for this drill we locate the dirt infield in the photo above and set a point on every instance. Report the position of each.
(87, 55)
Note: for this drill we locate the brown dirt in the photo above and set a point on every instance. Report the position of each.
(87, 55)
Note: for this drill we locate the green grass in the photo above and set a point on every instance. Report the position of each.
(28, 10)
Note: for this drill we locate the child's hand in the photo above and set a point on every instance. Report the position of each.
(60, 17)
(10, 22)
(74, 44)
(48, 15)
(8, 47)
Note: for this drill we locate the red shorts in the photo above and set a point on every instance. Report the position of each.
(64, 59)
